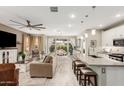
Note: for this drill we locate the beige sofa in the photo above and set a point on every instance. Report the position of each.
(44, 69)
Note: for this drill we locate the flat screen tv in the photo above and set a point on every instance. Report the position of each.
(7, 39)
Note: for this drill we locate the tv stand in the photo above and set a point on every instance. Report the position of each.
(2, 47)
(8, 55)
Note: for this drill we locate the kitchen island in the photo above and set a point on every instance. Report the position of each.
(110, 72)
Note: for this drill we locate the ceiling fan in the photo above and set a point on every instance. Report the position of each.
(28, 25)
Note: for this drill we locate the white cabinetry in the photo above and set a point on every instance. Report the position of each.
(8, 55)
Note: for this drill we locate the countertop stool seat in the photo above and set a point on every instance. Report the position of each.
(87, 77)
(77, 65)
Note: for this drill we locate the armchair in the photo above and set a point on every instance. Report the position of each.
(9, 76)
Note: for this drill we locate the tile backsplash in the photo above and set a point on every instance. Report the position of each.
(113, 49)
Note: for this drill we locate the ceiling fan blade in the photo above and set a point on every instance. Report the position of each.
(37, 25)
(40, 27)
(21, 27)
(36, 28)
(17, 22)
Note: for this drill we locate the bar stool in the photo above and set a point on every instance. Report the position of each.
(81, 75)
(85, 77)
(77, 65)
(73, 62)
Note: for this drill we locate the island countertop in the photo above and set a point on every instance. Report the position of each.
(109, 71)
(103, 61)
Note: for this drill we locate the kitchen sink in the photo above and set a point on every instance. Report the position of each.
(94, 56)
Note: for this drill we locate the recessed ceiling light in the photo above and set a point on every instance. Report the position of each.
(117, 15)
(81, 37)
(93, 32)
(59, 32)
(86, 35)
(69, 25)
(72, 16)
(100, 25)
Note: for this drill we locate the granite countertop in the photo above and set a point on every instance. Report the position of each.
(100, 61)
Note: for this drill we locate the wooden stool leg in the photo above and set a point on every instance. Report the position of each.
(72, 65)
(85, 80)
(80, 78)
(78, 74)
(81, 81)
(88, 80)
(95, 79)
(74, 68)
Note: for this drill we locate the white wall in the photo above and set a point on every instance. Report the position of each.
(109, 35)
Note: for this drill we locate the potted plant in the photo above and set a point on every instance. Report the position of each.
(21, 57)
(52, 48)
(70, 49)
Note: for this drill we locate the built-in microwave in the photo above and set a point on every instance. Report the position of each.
(118, 42)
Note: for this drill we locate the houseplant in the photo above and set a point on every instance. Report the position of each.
(52, 48)
(21, 57)
(70, 49)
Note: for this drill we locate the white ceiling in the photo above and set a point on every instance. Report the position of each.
(57, 23)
